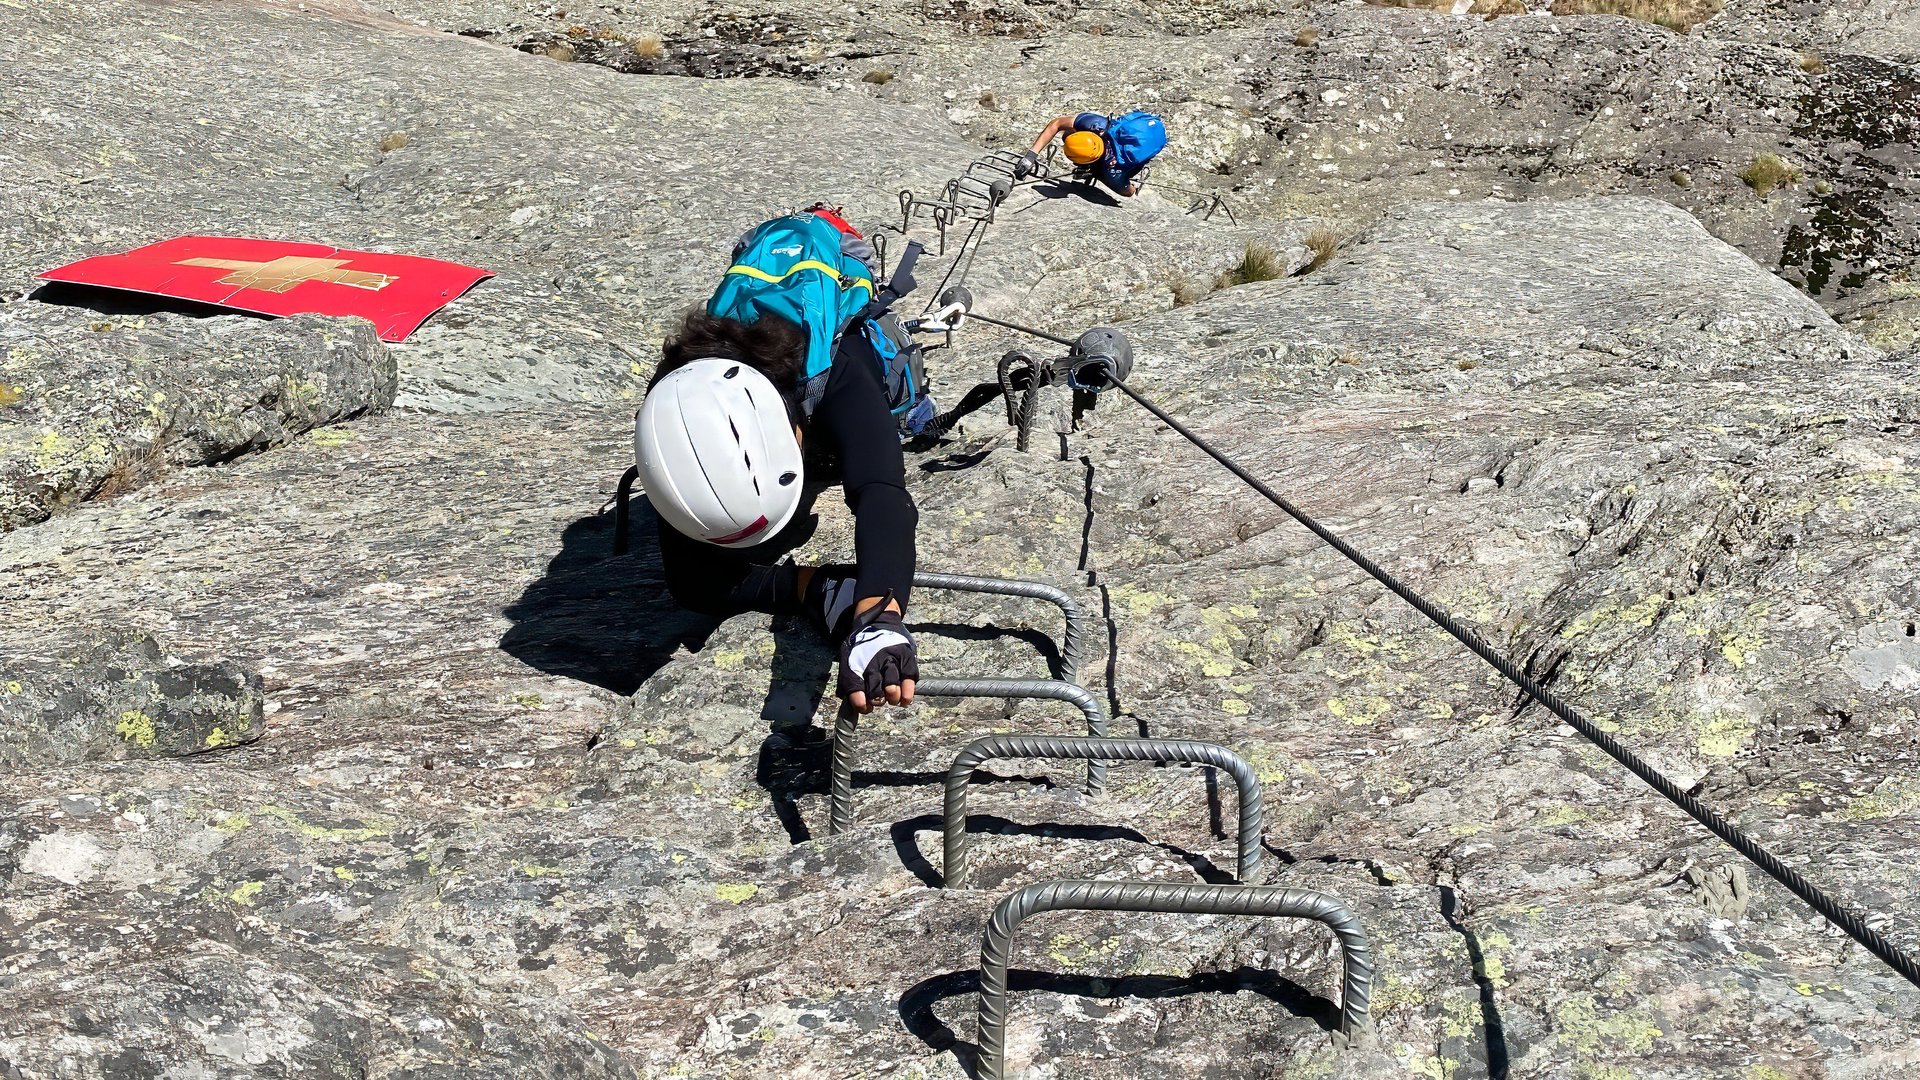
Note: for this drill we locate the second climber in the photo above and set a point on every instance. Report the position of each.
(1115, 150)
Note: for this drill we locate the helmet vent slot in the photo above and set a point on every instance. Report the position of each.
(788, 478)
(731, 372)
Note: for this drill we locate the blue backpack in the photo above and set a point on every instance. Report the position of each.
(803, 269)
(903, 372)
(1134, 138)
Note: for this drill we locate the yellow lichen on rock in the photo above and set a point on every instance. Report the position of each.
(137, 728)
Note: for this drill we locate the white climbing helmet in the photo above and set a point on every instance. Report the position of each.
(717, 453)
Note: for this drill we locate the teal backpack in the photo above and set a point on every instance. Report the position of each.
(814, 269)
(802, 268)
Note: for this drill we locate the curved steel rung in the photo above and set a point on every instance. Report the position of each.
(954, 863)
(996, 944)
(623, 510)
(1075, 634)
(846, 726)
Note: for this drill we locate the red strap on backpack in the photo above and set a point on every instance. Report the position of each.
(832, 214)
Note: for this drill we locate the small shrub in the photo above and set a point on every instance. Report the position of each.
(1307, 38)
(1188, 291)
(393, 141)
(557, 50)
(576, 31)
(130, 472)
(878, 77)
(10, 395)
(1768, 173)
(1322, 243)
(1681, 178)
(649, 47)
(1258, 263)
(1812, 64)
(1099, 29)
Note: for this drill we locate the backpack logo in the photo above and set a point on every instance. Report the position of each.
(791, 249)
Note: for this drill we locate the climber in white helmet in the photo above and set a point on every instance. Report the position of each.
(793, 376)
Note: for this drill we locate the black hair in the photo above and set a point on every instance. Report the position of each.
(772, 345)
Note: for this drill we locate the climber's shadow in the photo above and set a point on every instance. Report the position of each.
(918, 1003)
(609, 621)
(795, 757)
(1047, 190)
(600, 619)
(907, 846)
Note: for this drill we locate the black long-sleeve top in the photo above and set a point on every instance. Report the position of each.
(851, 437)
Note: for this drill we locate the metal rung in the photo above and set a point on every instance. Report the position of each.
(846, 727)
(996, 945)
(1075, 634)
(954, 863)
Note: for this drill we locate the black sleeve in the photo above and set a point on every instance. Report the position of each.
(721, 582)
(853, 418)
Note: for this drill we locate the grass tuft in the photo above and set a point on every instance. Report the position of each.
(393, 141)
(1259, 262)
(878, 77)
(1322, 243)
(1188, 291)
(1307, 38)
(1812, 64)
(649, 47)
(1769, 173)
(1489, 8)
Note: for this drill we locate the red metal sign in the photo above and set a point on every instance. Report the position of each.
(274, 277)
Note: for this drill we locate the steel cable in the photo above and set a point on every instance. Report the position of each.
(1845, 918)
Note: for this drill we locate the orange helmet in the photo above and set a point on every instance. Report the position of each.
(1084, 148)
